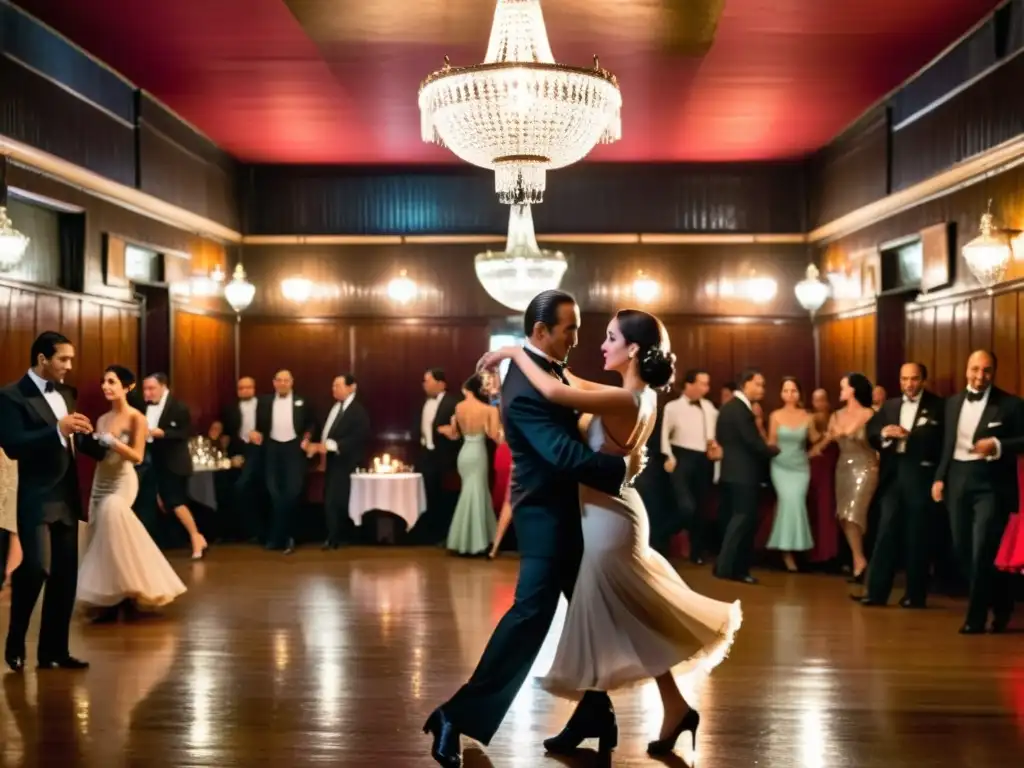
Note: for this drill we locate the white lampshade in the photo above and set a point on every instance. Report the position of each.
(811, 292)
(988, 255)
(239, 293)
(12, 243)
(402, 288)
(514, 276)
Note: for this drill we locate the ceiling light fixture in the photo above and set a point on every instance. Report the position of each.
(514, 276)
(239, 293)
(520, 113)
(811, 292)
(644, 288)
(402, 288)
(297, 289)
(988, 255)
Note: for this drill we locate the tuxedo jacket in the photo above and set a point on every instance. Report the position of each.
(170, 452)
(923, 452)
(1001, 419)
(302, 417)
(445, 450)
(550, 462)
(745, 454)
(351, 431)
(231, 418)
(28, 434)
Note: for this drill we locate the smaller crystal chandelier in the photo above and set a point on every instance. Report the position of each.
(207, 286)
(644, 288)
(988, 255)
(514, 276)
(811, 292)
(12, 243)
(402, 288)
(297, 289)
(239, 293)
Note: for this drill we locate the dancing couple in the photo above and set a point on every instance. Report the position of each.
(583, 532)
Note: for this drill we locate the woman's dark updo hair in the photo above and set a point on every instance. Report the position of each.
(124, 375)
(656, 361)
(475, 386)
(862, 388)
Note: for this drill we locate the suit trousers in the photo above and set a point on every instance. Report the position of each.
(691, 486)
(251, 512)
(337, 487)
(50, 558)
(979, 512)
(739, 513)
(479, 706)
(906, 507)
(286, 479)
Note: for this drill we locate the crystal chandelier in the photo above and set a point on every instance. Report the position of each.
(239, 293)
(811, 292)
(12, 243)
(519, 112)
(645, 289)
(514, 276)
(988, 255)
(402, 288)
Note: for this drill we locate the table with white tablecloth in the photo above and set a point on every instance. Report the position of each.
(201, 486)
(400, 493)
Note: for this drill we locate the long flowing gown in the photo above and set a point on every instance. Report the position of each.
(121, 561)
(791, 475)
(473, 524)
(856, 479)
(821, 502)
(1011, 549)
(631, 617)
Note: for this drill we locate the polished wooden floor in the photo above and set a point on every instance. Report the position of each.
(336, 659)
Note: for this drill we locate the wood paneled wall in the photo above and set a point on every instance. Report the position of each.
(847, 345)
(203, 361)
(388, 358)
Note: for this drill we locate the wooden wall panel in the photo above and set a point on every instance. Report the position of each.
(847, 345)
(203, 364)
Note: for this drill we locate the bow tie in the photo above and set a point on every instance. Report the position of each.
(50, 387)
(910, 400)
(695, 403)
(282, 397)
(973, 397)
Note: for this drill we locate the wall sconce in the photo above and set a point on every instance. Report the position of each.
(297, 289)
(207, 286)
(988, 255)
(761, 290)
(402, 289)
(811, 292)
(644, 288)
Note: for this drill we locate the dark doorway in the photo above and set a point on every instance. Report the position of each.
(155, 336)
(890, 338)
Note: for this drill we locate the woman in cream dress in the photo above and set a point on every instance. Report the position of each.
(9, 515)
(631, 617)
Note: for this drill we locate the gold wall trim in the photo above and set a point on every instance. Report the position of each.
(592, 239)
(119, 194)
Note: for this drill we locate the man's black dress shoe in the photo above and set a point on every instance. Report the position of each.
(1000, 624)
(601, 727)
(746, 580)
(68, 662)
(972, 629)
(867, 601)
(909, 604)
(447, 746)
(15, 661)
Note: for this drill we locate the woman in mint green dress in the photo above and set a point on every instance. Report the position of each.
(473, 525)
(791, 428)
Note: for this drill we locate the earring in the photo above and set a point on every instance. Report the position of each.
(631, 355)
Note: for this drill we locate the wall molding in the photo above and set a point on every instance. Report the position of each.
(486, 320)
(590, 239)
(61, 293)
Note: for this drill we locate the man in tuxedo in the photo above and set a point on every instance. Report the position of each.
(40, 429)
(284, 425)
(239, 421)
(170, 427)
(977, 476)
(437, 456)
(687, 436)
(745, 456)
(907, 432)
(549, 460)
(345, 442)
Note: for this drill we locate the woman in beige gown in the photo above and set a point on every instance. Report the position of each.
(857, 470)
(9, 515)
(631, 617)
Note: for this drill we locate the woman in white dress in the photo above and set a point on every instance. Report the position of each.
(9, 516)
(631, 617)
(122, 565)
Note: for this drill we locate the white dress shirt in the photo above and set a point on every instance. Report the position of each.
(54, 399)
(908, 413)
(282, 419)
(688, 426)
(247, 409)
(427, 421)
(154, 412)
(967, 426)
(338, 409)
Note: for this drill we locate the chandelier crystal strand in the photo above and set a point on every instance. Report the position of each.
(520, 113)
(514, 276)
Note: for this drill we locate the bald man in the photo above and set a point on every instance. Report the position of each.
(284, 424)
(239, 421)
(977, 478)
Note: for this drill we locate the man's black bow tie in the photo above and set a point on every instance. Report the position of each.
(910, 400)
(50, 387)
(695, 403)
(973, 397)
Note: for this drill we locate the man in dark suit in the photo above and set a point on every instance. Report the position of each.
(745, 456)
(437, 456)
(550, 461)
(345, 442)
(40, 429)
(170, 427)
(977, 477)
(239, 419)
(907, 431)
(284, 425)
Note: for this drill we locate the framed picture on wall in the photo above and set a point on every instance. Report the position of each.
(938, 244)
(871, 275)
(114, 261)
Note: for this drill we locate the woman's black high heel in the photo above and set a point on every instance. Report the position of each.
(690, 722)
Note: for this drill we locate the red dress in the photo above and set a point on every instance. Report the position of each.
(1011, 550)
(821, 506)
(502, 476)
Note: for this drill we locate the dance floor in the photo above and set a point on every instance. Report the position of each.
(337, 658)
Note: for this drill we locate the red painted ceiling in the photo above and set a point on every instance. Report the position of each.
(780, 80)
